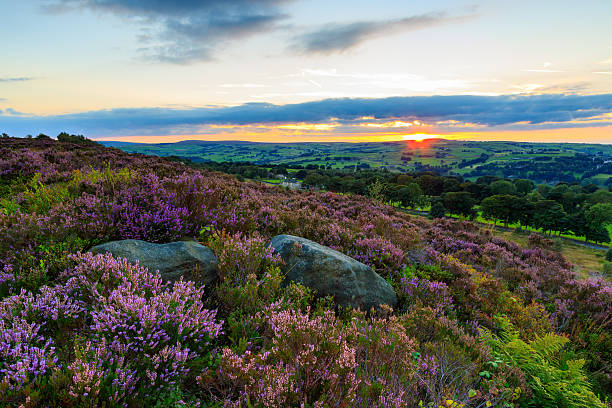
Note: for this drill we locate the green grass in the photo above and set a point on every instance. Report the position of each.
(374, 154)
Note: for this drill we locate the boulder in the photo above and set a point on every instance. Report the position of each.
(330, 272)
(188, 259)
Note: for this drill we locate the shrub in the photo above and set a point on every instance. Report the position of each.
(555, 382)
(607, 268)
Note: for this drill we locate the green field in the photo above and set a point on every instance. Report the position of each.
(502, 159)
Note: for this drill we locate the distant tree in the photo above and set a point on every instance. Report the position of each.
(437, 209)
(506, 208)
(65, 137)
(543, 189)
(405, 179)
(500, 187)
(42, 136)
(451, 184)
(597, 217)
(590, 188)
(599, 196)
(376, 190)
(549, 216)
(5, 136)
(523, 186)
(460, 203)
(411, 195)
(431, 185)
(495, 208)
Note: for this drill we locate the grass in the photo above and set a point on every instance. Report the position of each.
(374, 154)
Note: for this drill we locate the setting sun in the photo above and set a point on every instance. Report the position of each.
(419, 137)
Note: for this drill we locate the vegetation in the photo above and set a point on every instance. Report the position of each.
(481, 321)
(541, 162)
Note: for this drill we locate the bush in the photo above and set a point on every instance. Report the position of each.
(607, 268)
(555, 380)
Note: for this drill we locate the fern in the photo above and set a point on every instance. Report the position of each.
(554, 384)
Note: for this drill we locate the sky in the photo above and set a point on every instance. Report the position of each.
(316, 70)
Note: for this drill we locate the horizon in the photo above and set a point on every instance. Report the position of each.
(350, 142)
(296, 71)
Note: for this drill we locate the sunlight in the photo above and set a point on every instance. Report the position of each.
(419, 137)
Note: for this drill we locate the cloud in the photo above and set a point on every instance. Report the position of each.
(16, 79)
(333, 38)
(486, 111)
(186, 31)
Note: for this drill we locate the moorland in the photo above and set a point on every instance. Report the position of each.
(480, 321)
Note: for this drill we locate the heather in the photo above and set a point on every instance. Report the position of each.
(480, 321)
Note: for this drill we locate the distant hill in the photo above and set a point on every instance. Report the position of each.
(541, 162)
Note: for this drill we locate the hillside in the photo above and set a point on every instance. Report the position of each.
(479, 321)
(540, 162)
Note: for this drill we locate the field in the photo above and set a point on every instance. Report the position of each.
(589, 162)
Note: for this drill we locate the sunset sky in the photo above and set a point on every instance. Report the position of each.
(315, 70)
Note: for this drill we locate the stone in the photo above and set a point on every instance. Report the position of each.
(188, 259)
(329, 272)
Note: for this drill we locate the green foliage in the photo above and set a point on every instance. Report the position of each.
(429, 272)
(607, 268)
(554, 380)
(8, 206)
(502, 187)
(609, 255)
(460, 203)
(40, 198)
(68, 138)
(437, 209)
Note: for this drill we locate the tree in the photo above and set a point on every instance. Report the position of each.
(597, 218)
(437, 209)
(502, 187)
(411, 195)
(523, 187)
(376, 190)
(460, 203)
(431, 185)
(506, 208)
(404, 179)
(600, 196)
(549, 216)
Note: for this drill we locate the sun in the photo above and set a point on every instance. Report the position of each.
(419, 137)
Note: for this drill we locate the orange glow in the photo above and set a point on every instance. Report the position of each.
(275, 135)
(419, 137)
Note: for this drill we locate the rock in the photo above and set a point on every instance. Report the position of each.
(172, 260)
(330, 272)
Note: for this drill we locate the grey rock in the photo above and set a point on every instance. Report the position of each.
(188, 259)
(330, 272)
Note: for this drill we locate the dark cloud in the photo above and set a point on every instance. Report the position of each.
(187, 30)
(489, 111)
(16, 79)
(340, 37)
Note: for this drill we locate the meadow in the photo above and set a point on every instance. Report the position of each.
(469, 159)
(481, 321)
